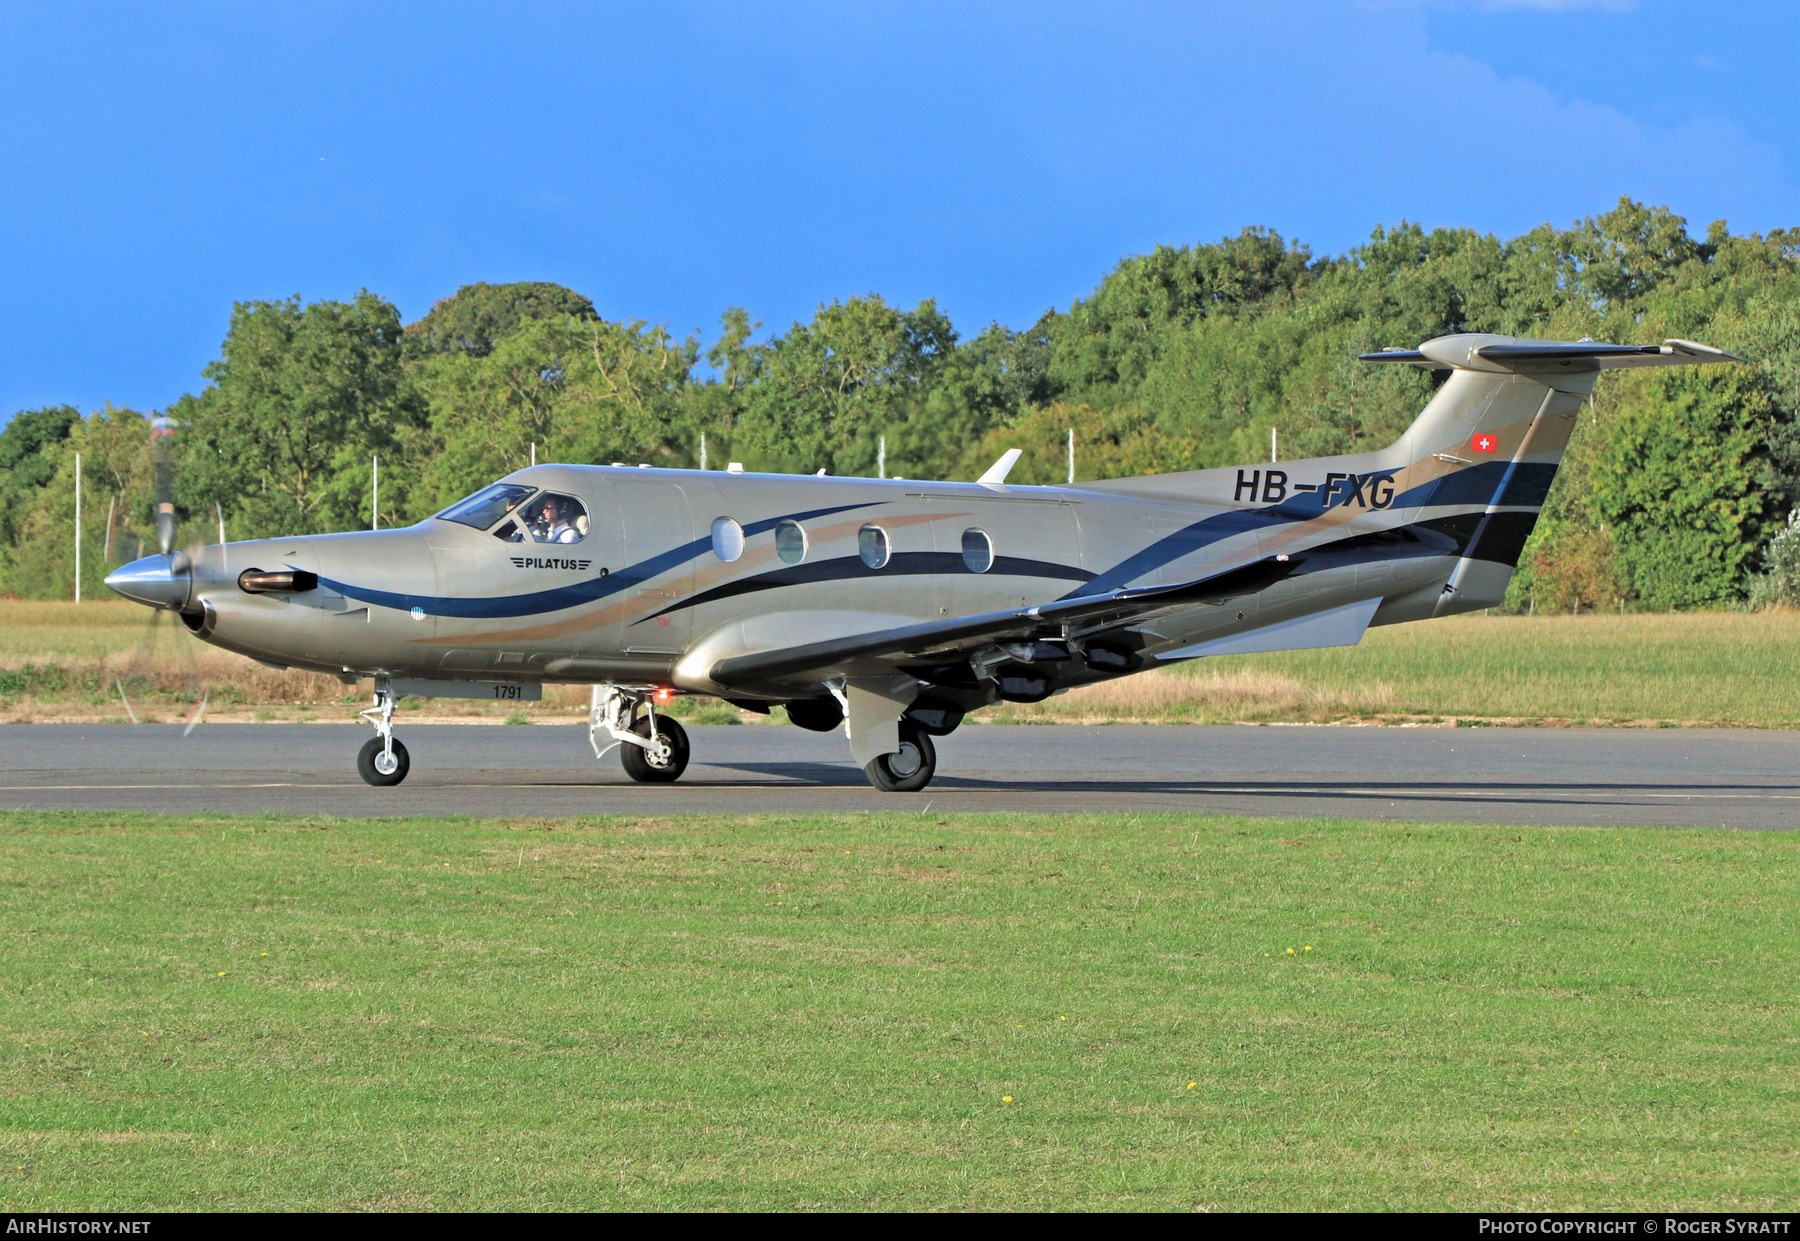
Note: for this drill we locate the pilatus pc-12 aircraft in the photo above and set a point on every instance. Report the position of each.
(894, 607)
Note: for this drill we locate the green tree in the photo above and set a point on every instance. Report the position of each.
(1109, 340)
(477, 316)
(117, 478)
(826, 390)
(301, 399)
(1109, 443)
(28, 460)
(583, 390)
(1674, 478)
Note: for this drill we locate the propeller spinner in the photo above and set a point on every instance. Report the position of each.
(162, 581)
(165, 580)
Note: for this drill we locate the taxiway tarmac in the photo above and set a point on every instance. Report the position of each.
(1666, 777)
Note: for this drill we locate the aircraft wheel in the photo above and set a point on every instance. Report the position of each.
(911, 768)
(645, 767)
(371, 760)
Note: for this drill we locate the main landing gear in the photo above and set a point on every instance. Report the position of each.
(909, 768)
(653, 748)
(383, 760)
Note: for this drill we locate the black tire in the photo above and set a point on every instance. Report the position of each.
(641, 766)
(911, 769)
(815, 715)
(371, 753)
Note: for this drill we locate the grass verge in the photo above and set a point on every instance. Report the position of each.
(61, 663)
(896, 1011)
(1687, 668)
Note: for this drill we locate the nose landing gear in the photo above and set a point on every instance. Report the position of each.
(383, 761)
(653, 749)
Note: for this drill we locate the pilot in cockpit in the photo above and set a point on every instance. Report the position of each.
(553, 523)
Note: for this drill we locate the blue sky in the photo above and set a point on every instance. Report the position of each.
(161, 162)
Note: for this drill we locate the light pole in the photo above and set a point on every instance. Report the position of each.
(77, 527)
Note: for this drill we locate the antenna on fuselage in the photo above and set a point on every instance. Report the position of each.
(997, 472)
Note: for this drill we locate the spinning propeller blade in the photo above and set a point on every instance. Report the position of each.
(165, 497)
(199, 714)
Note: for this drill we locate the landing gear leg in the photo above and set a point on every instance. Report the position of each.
(383, 760)
(653, 750)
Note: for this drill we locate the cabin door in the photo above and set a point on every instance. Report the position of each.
(659, 556)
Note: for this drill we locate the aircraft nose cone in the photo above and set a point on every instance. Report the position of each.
(159, 581)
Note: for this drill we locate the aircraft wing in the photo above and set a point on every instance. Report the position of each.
(1090, 612)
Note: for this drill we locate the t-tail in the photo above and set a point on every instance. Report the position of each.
(1470, 474)
(1494, 435)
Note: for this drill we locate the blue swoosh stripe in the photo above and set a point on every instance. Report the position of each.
(1523, 486)
(1184, 541)
(561, 598)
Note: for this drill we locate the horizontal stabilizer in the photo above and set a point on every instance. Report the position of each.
(1511, 353)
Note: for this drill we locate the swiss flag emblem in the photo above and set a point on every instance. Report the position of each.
(1485, 441)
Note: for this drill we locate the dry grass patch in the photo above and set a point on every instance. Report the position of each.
(62, 663)
(1645, 669)
(1206, 695)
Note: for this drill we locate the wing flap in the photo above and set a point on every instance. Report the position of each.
(1342, 626)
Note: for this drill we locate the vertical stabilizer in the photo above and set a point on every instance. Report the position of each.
(1481, 456)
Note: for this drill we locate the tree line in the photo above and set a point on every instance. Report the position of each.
(1187, 357)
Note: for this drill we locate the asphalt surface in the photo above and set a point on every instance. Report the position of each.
(1666, 777)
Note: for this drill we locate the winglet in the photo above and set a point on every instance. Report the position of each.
(997, 472)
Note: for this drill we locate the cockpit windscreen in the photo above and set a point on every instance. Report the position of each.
(487, 506)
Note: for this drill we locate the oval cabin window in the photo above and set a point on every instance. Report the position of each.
(978, 551)
(872, 546)
(790, 542)
(728, 539)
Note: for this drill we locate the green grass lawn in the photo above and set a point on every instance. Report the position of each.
(894, 1012)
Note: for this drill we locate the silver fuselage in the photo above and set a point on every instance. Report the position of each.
(645, 598)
